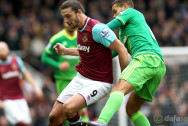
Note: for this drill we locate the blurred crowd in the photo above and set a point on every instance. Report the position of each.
(170, 100)
(27, 25)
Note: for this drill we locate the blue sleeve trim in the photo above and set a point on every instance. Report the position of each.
(20, 64)
(103, 34)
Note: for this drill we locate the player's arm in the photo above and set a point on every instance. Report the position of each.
(62, 50)
(47, 59)
(47, 54)
(102, 34)
(28, 77)
(121, 19)
(114, 24)
(118, 47)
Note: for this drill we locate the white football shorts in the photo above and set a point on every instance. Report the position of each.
(91, 90)
(17, 111)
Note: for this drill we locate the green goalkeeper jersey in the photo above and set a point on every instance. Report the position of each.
(69, 42)
(136, 35)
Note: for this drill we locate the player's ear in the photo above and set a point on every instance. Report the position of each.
(79, 11)
(125, 6)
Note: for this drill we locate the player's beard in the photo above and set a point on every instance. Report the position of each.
(75, 24)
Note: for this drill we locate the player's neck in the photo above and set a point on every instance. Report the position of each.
(70, 32)
(82, 21)
(4, 59)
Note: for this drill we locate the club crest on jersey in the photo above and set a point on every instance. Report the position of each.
(14, 66)
(84, 39)
(105, 32)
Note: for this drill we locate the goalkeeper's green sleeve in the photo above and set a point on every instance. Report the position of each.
(114, 24)
(46, 58)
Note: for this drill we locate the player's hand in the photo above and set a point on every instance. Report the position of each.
(39, 93)
(60, 49)
(64, 66)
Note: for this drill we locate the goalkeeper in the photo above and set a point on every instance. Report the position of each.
(63, 65)
(143, 74)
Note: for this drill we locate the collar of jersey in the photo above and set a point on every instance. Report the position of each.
(7, 61)
(69, 36)
(85, 25)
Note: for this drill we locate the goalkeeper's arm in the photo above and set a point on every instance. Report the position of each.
(46, 58)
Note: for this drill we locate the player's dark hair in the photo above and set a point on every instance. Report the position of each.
(120, 3)
(74, 4)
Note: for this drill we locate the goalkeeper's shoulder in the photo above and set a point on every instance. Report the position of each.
(57, 36)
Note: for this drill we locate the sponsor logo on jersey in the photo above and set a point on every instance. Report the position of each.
(10, 74)
(84, 39)
(84, 48)
(105, 32)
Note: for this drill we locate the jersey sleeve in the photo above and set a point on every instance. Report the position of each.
(46, 56)
(103, 34)
(125, 16)
(49, 48)
(20, 64)
(114, 24)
